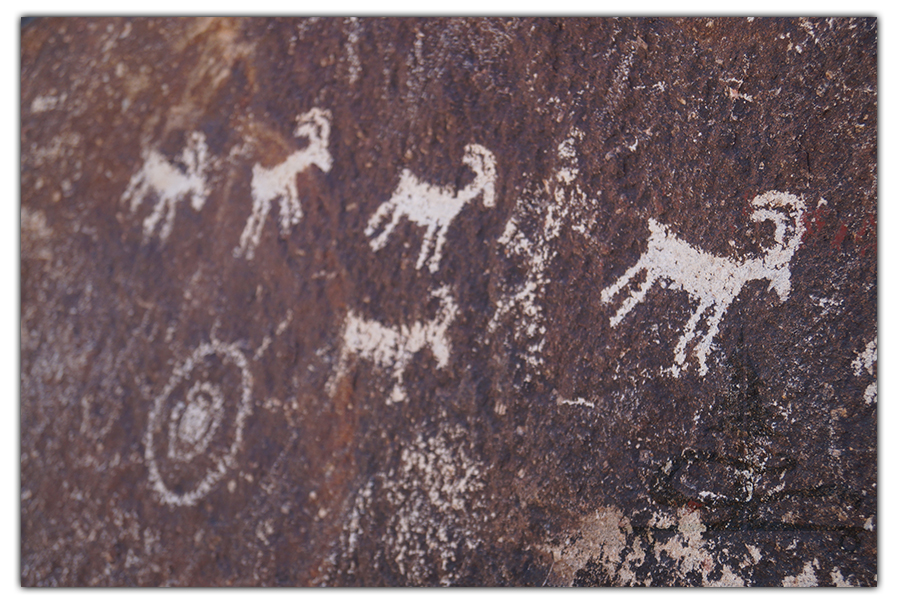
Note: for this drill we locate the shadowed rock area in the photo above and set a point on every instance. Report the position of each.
(502, 302)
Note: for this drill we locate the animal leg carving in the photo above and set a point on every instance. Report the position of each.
(688, 336)
(152, 220)
(381, 239)
(253, 230)
(635, 298)
(607, 294)
(704, 347)
(435, 262)
(429, 246)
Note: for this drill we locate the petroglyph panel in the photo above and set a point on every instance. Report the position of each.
(450, 301)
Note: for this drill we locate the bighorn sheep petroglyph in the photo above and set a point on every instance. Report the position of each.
(712, 280)
(394, 347)
(170, 184)
(433, 207)
(279, 183)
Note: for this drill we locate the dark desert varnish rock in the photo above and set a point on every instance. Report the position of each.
(490, 302)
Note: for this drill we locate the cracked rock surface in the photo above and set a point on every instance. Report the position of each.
(506, 301)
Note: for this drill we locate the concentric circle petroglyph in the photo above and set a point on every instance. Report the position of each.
(196, 424)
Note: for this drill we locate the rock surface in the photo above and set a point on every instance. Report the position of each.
(448, 301)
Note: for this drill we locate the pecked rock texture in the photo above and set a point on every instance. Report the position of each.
(448, 302)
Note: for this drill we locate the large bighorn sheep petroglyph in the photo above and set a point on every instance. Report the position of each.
(170, 184)
(712, 280)
(394, 347)
(433, 207)
(279, 183)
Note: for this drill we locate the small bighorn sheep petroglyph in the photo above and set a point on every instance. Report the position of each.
(712, 280)
(394, 347)
(279, 183)
(170, 183)
(433, 207)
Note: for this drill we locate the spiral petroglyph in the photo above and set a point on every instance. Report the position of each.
(196, 424)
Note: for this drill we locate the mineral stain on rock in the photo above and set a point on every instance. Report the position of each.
(399, 301)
